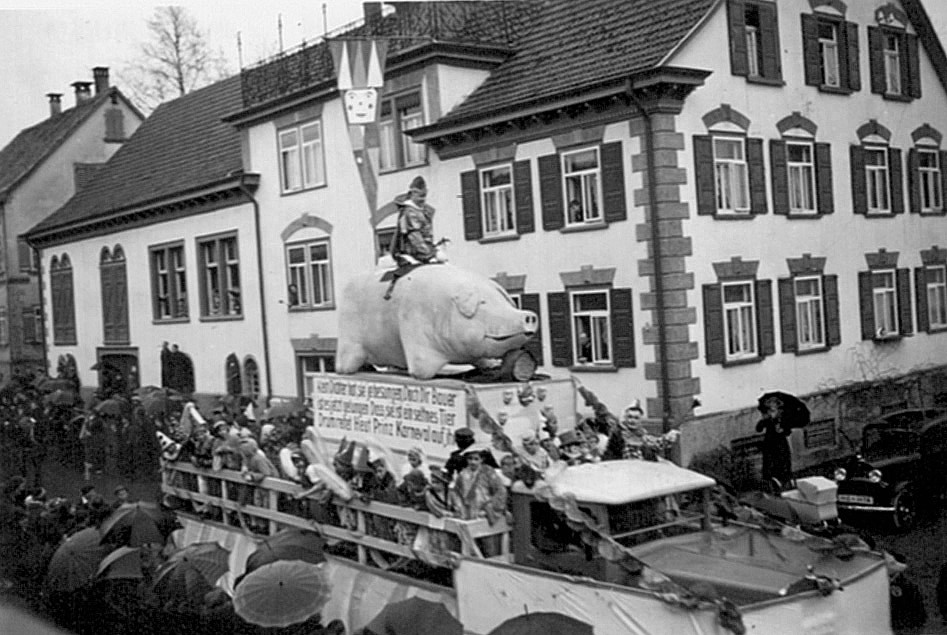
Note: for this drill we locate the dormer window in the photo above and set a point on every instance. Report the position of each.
(754, 41)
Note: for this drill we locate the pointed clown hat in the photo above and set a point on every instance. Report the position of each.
(170, 450)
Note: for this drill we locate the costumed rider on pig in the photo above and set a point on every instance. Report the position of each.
(413, 243)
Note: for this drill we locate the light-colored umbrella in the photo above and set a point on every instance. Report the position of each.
(282, 593)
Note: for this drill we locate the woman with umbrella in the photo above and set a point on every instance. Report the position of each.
(781, 413)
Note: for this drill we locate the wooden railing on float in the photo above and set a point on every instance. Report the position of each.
(367, 525)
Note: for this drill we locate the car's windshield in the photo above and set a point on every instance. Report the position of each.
(885, 443)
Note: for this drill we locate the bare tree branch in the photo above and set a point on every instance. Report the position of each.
(175, 60)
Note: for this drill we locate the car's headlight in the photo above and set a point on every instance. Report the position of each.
(874, 476)
(840, 474)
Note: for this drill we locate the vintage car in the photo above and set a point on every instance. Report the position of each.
(898, 472)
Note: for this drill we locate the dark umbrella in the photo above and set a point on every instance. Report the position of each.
(160, 401)
(181, 587)
(61, 397)
(137, 524)
(283, 409)
(209, 558)
(414, 615)
(543, 624)
(75, 561)
(122, 564)
(52, 384)
(795, 412)
(111, 407)
(288, 544)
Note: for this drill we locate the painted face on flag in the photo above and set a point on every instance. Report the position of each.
(360, 105)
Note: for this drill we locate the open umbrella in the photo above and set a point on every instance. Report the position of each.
(52, 384)
(60, 397)
(283, 409)
(414, 615)
(795, 412)
(158, 401)
(181, 587)
(110, 407)
(209, 558)
(543, 624)
(282, 593)
(122, 564)
(137, 524)
(288, 544)
(75, 561)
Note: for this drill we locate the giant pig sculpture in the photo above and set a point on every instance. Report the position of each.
(438, 314)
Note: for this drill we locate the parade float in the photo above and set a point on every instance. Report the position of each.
(626, 546)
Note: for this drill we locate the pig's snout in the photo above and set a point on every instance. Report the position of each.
(530, 322)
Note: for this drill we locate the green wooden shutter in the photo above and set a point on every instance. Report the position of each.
(757, 169)
(812, 59)
(912, 64)
(833, 324)
(736, 23)
(769, 42)
(787, 315)
(530, 302)
(914, 181)
(470, 202)
(876, 61)
(714, 350)
(823, 178)
(623, 328)
(704, 175)
(905, 309)
(523, 193)
(764, 317)
(560, 329)
(866, 305)
(859, 187)
(851, 52)
(896, 176)
(550, 190)
(920, 297)
(613, 182)
(779, 176)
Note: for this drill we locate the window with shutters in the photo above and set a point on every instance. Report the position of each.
(884, 303)
(397, 115)
(496, 191)
(831, 53)
(383, 238)
(929, 180)
(876, 180)
(810, 319)
(309, 271)
(739, 320)
(514, 288)
(581, 177)
(62, 296)
(219, 263)
(302, 157)
(33, 325)
(936, 292)
(114, 283)
(894, 63)
(4, 327)
(732, 185)
(754, 41)
(590, 327)
(169, 282)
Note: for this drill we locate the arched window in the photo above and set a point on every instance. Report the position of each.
(234, 376)
(114, 296)
(63, 300)
(251, 375)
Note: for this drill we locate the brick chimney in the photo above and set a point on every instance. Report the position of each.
(55, 103)
(101, 76)
(83, 91)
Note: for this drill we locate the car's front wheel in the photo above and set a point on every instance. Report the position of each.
(905, 510)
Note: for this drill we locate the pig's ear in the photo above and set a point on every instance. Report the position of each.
(467, 302)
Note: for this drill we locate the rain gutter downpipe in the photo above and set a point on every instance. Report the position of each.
(656, 258)
(259, 264)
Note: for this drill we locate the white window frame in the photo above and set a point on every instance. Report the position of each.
(828, 53)
(582, 185)
(37, 324)
(801, 178)
(810, 312)
(884, 292)
(936, 296)
(877, 185)
(312, 276)
(302, 157)
(4, 327)
(220, 272)
(497, 203)
(929, 180)
(752, 50)
(170, 282)
(891, 48)
(731, 176)
(741, 340)
(396, 149)
(596, 323)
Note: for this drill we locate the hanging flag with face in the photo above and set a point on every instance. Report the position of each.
(359, 68)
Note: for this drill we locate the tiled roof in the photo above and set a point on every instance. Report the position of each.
(29, 148)
(181, 147)
(576, 45)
